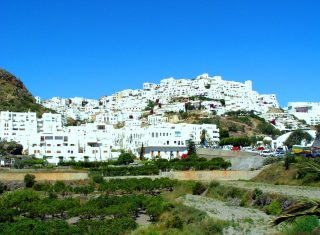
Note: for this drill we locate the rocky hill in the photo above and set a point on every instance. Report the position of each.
(15, 97)
(233, 124)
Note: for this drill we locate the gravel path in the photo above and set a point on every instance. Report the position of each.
(292, 191)
(243, 220)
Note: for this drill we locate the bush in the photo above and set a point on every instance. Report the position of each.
(29, 180)
(288, 159)
(303, 225)
(271, 160)
(174, 221)
(126, 158)
(3, 188)
(198, 189)
(274, 208)
(98, 179)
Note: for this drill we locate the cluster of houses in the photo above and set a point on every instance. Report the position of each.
(131, 119)
(46, 137)
(221, 96)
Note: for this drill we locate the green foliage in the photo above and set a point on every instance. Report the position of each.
(236, 141)
(126, 158)
(288, 159)
(151, 104)
(31, 226)
(309, 171)
(198, 188)
(18, 163)
(271, 160)
(173, 221)
(268, 129)
(10, 148)
(191, 147)
(128, 170)
(97, 179)
(3, 188)
(136, 185)
(274, 208)
(296, 137)
(303, 225)
(223, 133)
(29, 180)
(85, 164)
(205, 121)
(60, 187)
(33, 162)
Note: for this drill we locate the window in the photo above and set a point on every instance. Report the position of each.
(177, 133)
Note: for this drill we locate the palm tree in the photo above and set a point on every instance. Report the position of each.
(300, 209)
(303, 207)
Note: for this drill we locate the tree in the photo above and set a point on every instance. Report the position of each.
(126, 158)
(191, 147)
(10, 148)
(223, 133)
(296, 137)
(267, 129)
(29, 180)
(142, 152)
(203, 139)
(236, 141)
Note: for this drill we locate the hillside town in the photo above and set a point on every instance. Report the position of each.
(146, 118)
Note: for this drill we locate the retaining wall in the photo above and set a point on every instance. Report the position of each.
(211, 175)
(224, 153)
(42, 176)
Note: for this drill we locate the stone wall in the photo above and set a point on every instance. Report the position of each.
(211, 175)
(224, 153)
(42, 176)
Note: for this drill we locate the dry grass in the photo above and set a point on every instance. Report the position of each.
(276, 174)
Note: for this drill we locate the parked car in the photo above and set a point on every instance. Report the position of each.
(235, 148)
(267, 153)
(313, 154)
(279, 153)
(260, 148)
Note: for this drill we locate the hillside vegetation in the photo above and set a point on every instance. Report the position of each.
(15, 97)
(235, 123)
(299, 171)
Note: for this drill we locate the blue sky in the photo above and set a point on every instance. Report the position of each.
(94, 48)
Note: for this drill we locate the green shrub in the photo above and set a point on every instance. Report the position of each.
(303, 225)
(214, 184)
(207, 227)
(174, 222)
(29, 180)
(198, 188)
(271, 160)
(98, 179)
(274, 208)
(42, 186)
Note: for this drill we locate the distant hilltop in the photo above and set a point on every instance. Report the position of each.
(15, 97)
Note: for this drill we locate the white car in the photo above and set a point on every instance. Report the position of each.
(267, 153)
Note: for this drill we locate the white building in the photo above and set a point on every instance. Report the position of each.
(308, 111)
